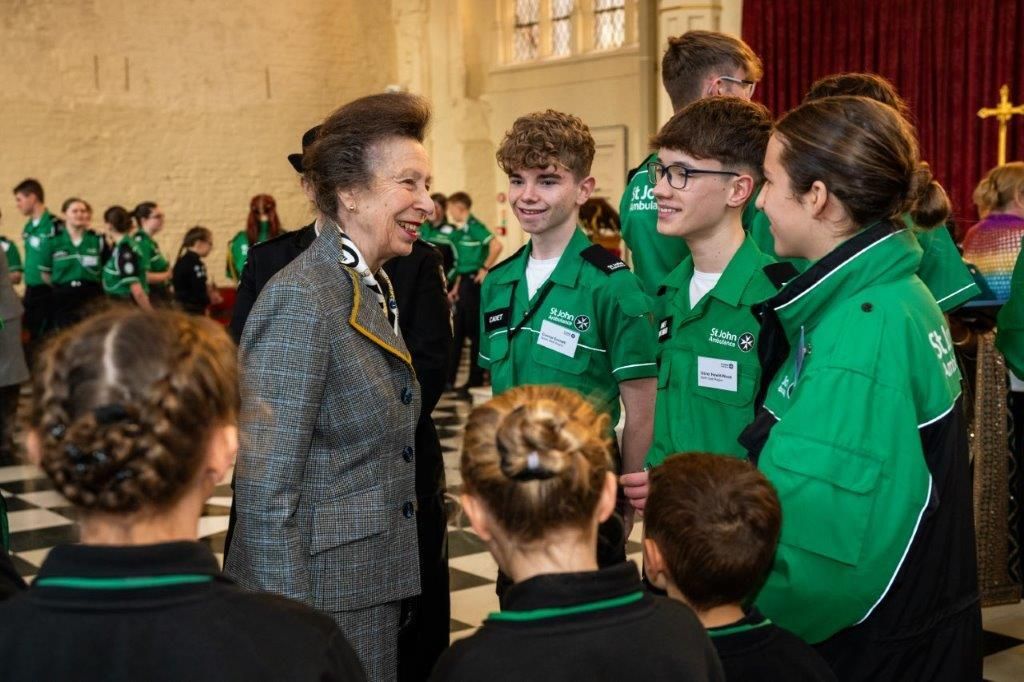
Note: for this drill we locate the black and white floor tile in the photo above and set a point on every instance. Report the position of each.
(40, 518)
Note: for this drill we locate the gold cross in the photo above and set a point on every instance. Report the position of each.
(1003, 112)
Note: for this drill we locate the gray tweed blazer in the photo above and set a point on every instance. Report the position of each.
(325, 475)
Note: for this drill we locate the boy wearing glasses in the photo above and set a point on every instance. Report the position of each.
(696, 64)
(561, 310)
(707, 166)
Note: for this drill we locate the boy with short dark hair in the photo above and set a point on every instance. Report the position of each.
(711, 528)
(695, 65)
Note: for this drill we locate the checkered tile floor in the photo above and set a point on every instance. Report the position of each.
(40, 518)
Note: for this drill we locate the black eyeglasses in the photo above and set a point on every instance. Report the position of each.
(678, 175)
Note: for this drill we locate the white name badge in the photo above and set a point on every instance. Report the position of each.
(716, 373)
(559, 339)
(90, 261)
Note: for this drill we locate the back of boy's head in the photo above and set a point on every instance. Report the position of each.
(695, 55)
(548, 138)
(869, 85)
(716, 520)
(730, 130)
(461, 198)
(537, 457)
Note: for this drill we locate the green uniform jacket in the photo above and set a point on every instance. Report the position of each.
(470, 246)
(654, 254)
(1010, 322)
(149, 251)
(125, 267)
(708, 370)
(942, 269)
(866, 447)
(238, 250)
(67, 262)
(591, 308)
(35, 236)
(10, 250)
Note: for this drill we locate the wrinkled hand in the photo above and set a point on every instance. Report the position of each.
(636, 486)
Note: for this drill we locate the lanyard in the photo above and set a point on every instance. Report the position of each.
(123, 583)
(556, 611)
(532, 310)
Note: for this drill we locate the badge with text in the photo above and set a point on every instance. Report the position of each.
(496, 319)
(717, 373)
(558, 338)
(90, 261)
(665, 329)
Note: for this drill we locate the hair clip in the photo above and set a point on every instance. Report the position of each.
(124, 474)
(99, 457)
(108, 414)
(534, 470)
(57, 431)
(73, 453)
(533, 461)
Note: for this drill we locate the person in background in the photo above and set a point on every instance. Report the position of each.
(861, 428)
(696, 64)
(133, 419)
(124, 275)
(192, 289)
(28, 196)
(710, 531)
(262, 224)
(437, 231)
(10, 254)
(71, 261)
(994, 244)
(538, 479)
(149, 218)
(476, 251)
(13, 370)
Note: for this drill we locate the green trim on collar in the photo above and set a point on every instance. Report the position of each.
(735, 629)
(557, 611)
(124, 583)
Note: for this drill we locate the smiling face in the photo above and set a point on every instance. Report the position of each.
(386, 217)
(698, 208)
(792, 225)
(548, 199)
(78, 215)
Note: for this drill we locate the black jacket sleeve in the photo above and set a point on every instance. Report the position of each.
(248, 291)
(429, 334)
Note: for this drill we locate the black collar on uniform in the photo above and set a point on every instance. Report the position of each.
(561, 590)
(100, 561)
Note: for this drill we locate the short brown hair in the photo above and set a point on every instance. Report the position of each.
(124, 401)
(691, 57)
(866, 154)
(548, 138)
(537, 456)
(862, 84)
(716, 520)
(29, 186)
(340, 157)
(461, 198)
(726, 129)
(999, 187)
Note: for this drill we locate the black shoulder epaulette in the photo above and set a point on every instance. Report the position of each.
(508, 260)
(780, 273)
(58, 227)
(603, 259)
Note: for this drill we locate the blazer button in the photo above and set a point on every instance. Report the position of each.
(408, 510)
(407, 396)
(408, 453)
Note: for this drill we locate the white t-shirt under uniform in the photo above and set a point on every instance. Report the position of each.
(537, 272)
(700, 284)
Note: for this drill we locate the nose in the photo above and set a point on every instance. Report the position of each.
(424, 203)
(662, 190)
(529, 193)
(759, 202)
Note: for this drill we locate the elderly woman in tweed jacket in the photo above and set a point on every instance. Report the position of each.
(325, 476)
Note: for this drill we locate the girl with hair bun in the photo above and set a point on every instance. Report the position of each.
(538, 479)
(861, 426)
(137, 442)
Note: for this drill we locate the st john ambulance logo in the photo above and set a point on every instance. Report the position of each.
(582, 322)
(746, 342)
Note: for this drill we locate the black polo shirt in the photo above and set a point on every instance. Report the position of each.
(756, 650)
(161, 612)
(593, 626)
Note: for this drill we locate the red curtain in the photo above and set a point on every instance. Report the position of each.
(948, 59)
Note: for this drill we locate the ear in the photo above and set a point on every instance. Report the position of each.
(816, 199)
(654, 564)
(34, 447)
(220, 452)
(742, 188)
(347, 202)
(712, 86)
(479, 519)
(585, 189)
(606, 503)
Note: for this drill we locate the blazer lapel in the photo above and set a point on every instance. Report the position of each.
(369, 320)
